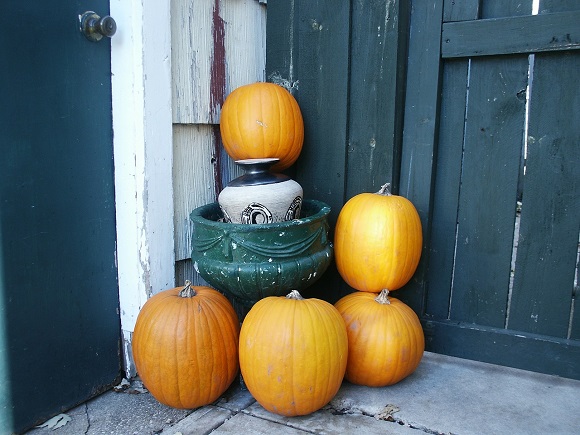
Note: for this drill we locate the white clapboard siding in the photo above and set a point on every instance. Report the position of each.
(200, 165)
(193, 41)
(194, 183)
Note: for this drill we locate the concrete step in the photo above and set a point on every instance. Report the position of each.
(445, 395)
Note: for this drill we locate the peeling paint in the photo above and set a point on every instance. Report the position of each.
(218, 63)
(217, 172)
(217, 88)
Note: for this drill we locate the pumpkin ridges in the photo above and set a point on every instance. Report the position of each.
(277, 109)
(392, 334)
(224, 310)
(285, 367)
(357, 310)
(203, 347)
(183, 315)
(160, 336)
(157, 336)
(315, 355)
(173, 351)
(296, 356)
(253, 381)
(337, 326)
(370, 250)
(281, 130)
(319, 357)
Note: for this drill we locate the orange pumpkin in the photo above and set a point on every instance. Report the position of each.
(377, 242)
(185, 346)
(385, 338)
(293, 353)
(262, 120)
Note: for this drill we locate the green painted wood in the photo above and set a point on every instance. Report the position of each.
(575, 325)
(347, 64)
(447, 177)
(505, 8)
(421, 129)
(499, 346)
(282, 42)
(525, 34)
(308, 44)
(58, 278)
(375, 95)
(550, 6)
(454, 10)
(493, 145)
(322, 70)
(550, 219)
(446, 189)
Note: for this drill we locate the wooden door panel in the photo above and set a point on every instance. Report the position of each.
(446, 188)
(548, 237)
(478, 305)
(461, 157)
(492, 146)
(58, 274)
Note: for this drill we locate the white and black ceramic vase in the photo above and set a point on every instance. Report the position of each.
(260, 196)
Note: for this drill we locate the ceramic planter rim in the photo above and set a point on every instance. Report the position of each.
(322, 210)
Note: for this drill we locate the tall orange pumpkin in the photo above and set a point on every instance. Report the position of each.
(261, 120)
(377, 242)
(185, 346)
(293, 353)
(385, 338)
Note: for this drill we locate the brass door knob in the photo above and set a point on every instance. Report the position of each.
(95, 27)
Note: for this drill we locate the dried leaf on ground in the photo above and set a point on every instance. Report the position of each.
(55, 422)
(387, 413)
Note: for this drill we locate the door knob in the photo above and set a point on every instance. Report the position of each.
(95, 27)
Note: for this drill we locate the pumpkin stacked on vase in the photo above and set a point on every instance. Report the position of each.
(262, 129)
(293, 353)
(377, 246)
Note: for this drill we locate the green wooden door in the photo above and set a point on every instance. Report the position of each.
(483, 137)
(59, 321)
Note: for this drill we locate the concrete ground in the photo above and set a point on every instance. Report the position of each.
(444, 396)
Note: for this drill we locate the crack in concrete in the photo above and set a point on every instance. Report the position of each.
(88, 418)
(387, 414)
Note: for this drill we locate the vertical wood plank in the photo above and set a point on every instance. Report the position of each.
(575, 325)
(346, 68)
(454, 10)
(421, 128)
(282, 42)
(378, 57)
(505, 8)
(495, 120)
(448, 170)
(322, 72)
(446, 190)
(217, 46)
(550, 220)
(308, 50)
(549, 6)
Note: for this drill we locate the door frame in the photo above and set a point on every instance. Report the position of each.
(143, 157)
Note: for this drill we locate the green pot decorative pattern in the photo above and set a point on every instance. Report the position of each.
(250, 262)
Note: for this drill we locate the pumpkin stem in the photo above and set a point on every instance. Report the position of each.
(383, 297)
(385, 189)
(294, 294)
(188, 291)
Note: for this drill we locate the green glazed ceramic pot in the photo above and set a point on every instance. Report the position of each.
(250, 262)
